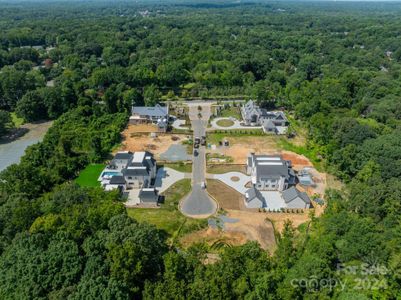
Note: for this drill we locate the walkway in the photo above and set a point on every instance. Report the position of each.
(236, 125)
(198, 203)
(239, 185)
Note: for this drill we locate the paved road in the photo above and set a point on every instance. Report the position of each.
(198, 203)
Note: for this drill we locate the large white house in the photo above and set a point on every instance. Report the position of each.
(273, 184)
(158, 115)
(271, 121)
(131, 170)
(270, 172)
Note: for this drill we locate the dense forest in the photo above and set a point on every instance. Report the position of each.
(336, 66)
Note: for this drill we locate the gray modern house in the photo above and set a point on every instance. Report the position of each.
(158, 115)
(273, 184)
(271, 121)
(270, 172)
(130, 170)
(296, 199)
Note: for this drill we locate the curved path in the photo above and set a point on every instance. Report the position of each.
(198, 203)
(236, 125)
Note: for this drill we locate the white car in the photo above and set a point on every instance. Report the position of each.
(203, 185)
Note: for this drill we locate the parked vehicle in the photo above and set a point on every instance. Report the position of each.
(203, 185)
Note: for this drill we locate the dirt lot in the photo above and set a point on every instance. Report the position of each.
(242, 146)
(280, 218)
(227, 197)
(250, 227)
(142, 128)
(134, 141)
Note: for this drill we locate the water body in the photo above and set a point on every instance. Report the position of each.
(12, 151)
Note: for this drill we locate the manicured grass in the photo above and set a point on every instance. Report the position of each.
(180, 167)
(231, 112)
(88, 176)
(16, 120)
(168, 217)
(218, 135)
(225, 123)
(225, 168)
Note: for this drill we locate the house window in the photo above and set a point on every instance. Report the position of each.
(129, 177)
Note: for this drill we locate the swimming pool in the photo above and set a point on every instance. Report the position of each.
(110, 174)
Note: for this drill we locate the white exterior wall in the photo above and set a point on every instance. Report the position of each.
(136, 181)
(279, 184)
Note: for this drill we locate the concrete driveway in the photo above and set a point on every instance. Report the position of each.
(198, 203)
(239, 186)
(166, 177)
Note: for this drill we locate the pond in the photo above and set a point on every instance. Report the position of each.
(12, 151)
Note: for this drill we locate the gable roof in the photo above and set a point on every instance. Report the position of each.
(155, 111)
(123, 155)
(252, 194)
(135, 171)
(268, 123)
(118, 179)
(292, 193)
(270, 166)
(148, 195)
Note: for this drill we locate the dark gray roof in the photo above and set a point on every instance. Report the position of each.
(252, 194)
(272, 171)
(148, 195)
(155, 111)
(117, 180)
(135, 172)
(292, 193)
(268, 123)
(123, 155)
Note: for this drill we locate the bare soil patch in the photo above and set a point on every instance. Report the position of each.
(227, 197)
(254, 226)
(134, 141)
(280, 218)
(211, 236)
(250, 227)
(240, 147)
(142, 128)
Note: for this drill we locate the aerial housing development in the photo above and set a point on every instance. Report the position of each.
(187, 149)
(132, 171)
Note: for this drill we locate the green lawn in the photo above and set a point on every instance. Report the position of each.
(231, 112)
(219, 135)
(88, 176)
(180, 167)
(168, 217)
(225, 123)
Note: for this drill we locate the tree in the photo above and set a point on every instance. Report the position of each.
(31, 107)
(151, 95)
(5, 122)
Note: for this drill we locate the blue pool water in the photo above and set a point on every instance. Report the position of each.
(108, 173)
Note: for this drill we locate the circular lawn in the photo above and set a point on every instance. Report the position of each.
(225, 123)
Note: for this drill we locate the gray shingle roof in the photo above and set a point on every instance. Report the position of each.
(252, 194)
(149, 195)
(117, 180)
(292, 193)
(135, 172)
(123, 155)
(155, 111)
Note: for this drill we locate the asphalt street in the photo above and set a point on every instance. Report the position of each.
(198, 202)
